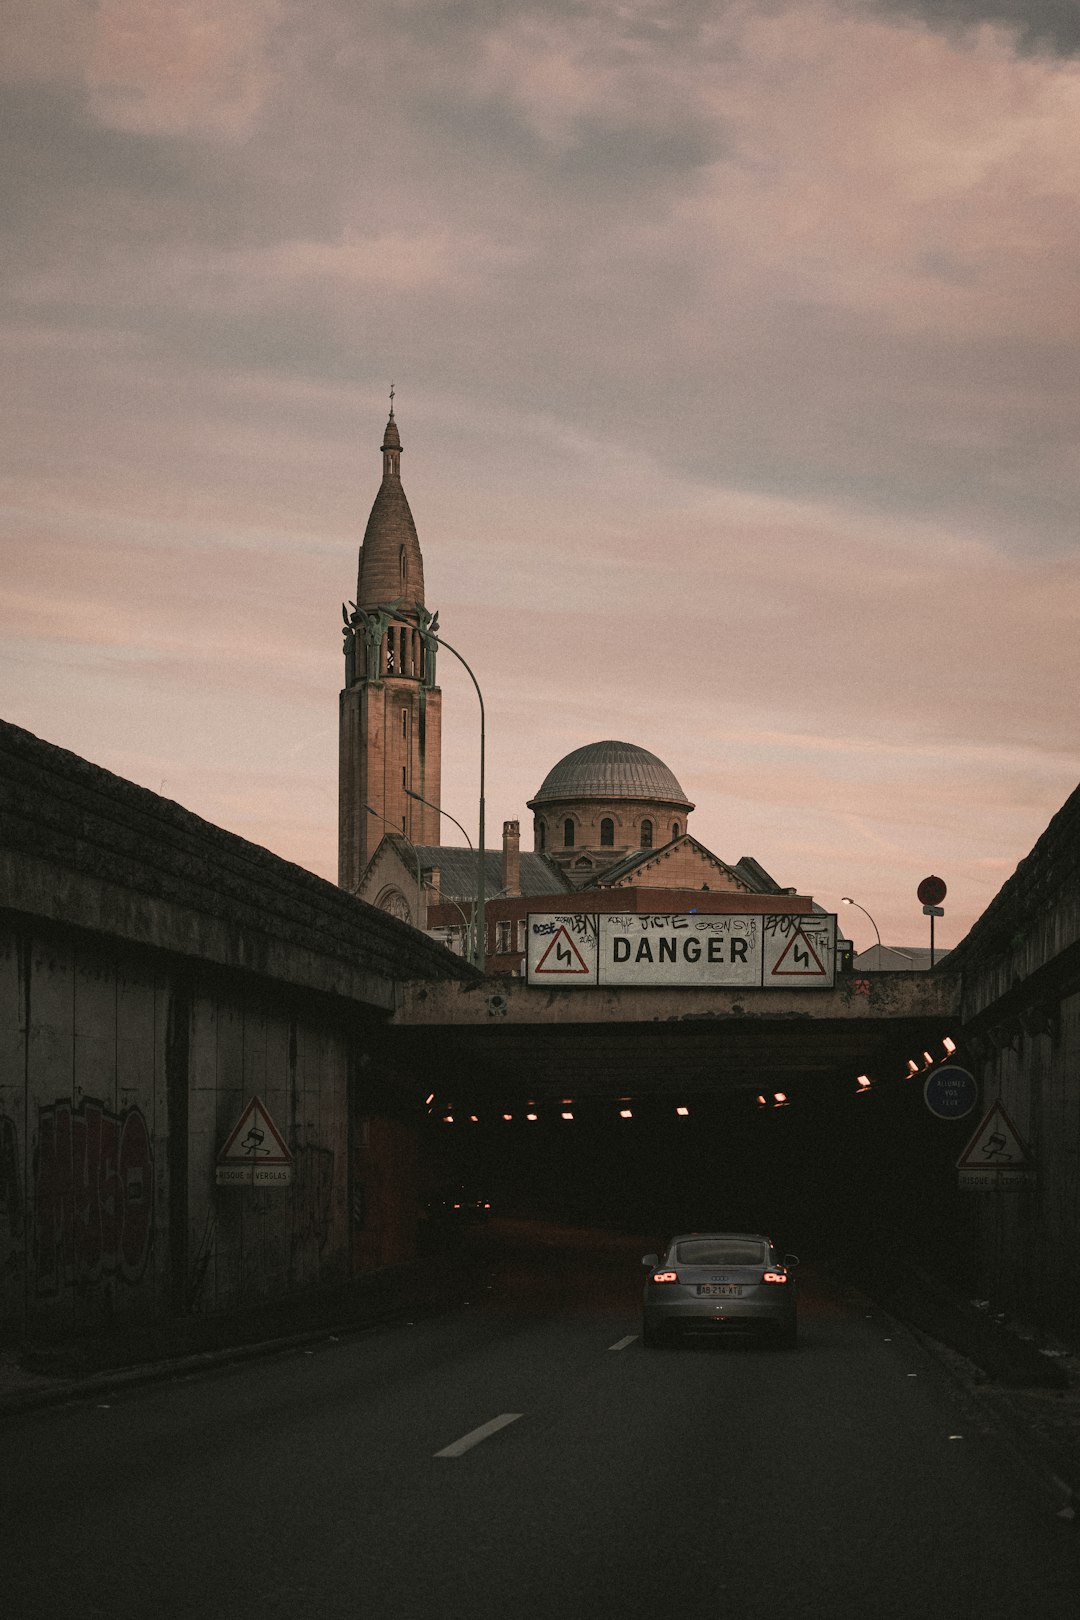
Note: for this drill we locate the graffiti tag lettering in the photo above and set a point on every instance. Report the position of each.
(93, 1195)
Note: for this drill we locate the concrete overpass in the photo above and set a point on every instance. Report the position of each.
(505, 1039)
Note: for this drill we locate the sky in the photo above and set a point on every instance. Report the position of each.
(736, 347)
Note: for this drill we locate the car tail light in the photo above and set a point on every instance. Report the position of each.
(774, 1276)
(664, 1276)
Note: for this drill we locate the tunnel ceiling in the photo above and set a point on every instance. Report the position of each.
(494, 1062)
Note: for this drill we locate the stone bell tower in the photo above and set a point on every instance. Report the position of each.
(390, 711)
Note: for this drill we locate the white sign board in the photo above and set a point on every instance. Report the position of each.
(255, 1154)
(995, 1156)
(680, 949)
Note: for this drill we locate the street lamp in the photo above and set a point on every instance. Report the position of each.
(419, 797)
(422, 882)
(846, 901)
(429, 626)
(371, 810)
(374, 622)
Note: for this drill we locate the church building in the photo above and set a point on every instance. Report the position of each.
(610, 820)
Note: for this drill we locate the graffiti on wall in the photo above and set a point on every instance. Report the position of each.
(93, 1195)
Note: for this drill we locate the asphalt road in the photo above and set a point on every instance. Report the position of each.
(526, 1457)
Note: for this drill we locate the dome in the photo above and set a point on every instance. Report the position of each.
(610, 770)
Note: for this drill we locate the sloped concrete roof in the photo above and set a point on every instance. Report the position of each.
(80, 846)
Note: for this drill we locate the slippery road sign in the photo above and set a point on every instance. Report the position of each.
(255, 1154)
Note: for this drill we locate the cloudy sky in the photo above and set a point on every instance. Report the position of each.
(736, 347)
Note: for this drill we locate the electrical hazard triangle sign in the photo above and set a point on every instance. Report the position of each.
(798, 960)
(255, 1154)
(562, 959)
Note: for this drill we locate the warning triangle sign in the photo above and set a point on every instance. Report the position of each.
(255, 1139)
(799, 960)
(562, 958)
(995, 1145)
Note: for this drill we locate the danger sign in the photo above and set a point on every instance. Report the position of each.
(683, 949)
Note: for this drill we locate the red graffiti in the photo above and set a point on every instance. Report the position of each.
(93, 1195)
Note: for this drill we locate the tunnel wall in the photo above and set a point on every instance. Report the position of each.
(156, 974)
(1020, 967)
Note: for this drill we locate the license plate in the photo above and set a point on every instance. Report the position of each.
(719, 1288)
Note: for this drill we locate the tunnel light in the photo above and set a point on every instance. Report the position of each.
(530, 1116)
(429, 1099)
(928, 1062)
(508, 1116)
(626, 1113)
(912, 1067)
(949, 1045)
(864, 1082)
(761, 1101)
(474, 1119)
(566, 1114)
(448, 1119)
(779, 1099)
(682, 1112)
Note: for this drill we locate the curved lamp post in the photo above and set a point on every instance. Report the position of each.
(423, 882)
(429, 636)
(373, 623)
(371, 810)
(846, 901)
(419, 797)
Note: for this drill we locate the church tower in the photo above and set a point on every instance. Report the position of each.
(390, 711)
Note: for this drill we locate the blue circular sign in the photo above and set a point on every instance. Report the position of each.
(951, 1092)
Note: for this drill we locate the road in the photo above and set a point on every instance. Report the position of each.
(525, 1457)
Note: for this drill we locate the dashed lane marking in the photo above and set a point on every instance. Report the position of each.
(474, 1436)
(622, 1344)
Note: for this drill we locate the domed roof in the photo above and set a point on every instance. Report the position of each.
(610, 770)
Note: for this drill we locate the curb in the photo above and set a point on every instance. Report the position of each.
(161, 1370)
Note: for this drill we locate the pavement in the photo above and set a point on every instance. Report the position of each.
(1022, 1385)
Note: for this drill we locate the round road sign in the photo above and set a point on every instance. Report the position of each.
(932, 891)
(950, 1092)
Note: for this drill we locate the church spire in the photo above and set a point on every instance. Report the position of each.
(391, 445)
(391, 566)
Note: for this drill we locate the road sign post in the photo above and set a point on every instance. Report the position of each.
(932, 891)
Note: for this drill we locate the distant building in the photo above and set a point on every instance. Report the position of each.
(610, 820)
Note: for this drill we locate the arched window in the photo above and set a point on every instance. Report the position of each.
(568, 832)
(607, 832)
(541, 835)
(646, 835)
(674, 829)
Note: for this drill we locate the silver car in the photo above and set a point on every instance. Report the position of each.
(720, 1282)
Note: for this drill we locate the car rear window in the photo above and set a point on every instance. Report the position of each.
(721, 1252)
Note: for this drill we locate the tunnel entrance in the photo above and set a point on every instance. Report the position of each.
(823, 1174)
(802, 1116)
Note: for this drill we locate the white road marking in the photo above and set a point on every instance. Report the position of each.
(622, 1344)
(474, 1437)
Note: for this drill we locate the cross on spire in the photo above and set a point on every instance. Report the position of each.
(391, 401)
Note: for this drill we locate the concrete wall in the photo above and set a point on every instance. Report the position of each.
(156, 974)
(121, 1076)
(1020, 969)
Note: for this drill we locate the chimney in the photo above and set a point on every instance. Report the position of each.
(511, 868)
